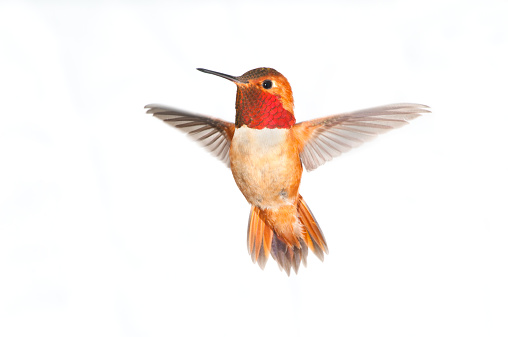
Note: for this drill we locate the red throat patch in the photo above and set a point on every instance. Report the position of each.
(258, 110)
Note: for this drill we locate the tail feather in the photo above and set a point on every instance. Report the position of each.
(313, 236)
(262, 241)
(259, 238)
(288, 257)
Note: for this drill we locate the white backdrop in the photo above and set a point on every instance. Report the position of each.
(114, 224)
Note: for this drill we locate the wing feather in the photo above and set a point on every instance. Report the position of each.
(212, 133)
(322, 139)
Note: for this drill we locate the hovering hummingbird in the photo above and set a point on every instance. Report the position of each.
(266, 150)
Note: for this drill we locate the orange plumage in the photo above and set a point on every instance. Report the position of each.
(265, 150)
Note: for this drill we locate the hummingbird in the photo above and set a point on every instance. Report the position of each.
(266, 151)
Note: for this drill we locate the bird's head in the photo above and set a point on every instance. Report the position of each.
(263, 100)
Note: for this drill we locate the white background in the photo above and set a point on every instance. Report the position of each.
(114, 224)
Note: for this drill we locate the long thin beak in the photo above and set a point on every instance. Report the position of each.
(228, 77)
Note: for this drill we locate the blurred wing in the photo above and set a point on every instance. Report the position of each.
(323, 139)
(212, 133)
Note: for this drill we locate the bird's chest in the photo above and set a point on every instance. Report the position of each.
(265, 165)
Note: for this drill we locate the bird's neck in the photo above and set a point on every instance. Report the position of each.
(258, 110)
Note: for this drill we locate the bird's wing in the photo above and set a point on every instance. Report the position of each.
(212, 133)
(322, 139)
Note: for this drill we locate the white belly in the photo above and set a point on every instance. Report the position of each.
(262, 142)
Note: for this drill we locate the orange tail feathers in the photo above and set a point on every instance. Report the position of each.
(261, 240)
(259, 237)
(312, 234)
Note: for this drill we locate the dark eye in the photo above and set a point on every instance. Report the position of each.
(267, 84)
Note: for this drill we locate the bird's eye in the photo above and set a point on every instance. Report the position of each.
(267, 84)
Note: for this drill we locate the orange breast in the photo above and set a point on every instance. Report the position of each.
(266, 166)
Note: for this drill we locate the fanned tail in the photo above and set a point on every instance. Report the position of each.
(261, 240)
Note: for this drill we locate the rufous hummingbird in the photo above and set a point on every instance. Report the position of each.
(266, 150)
